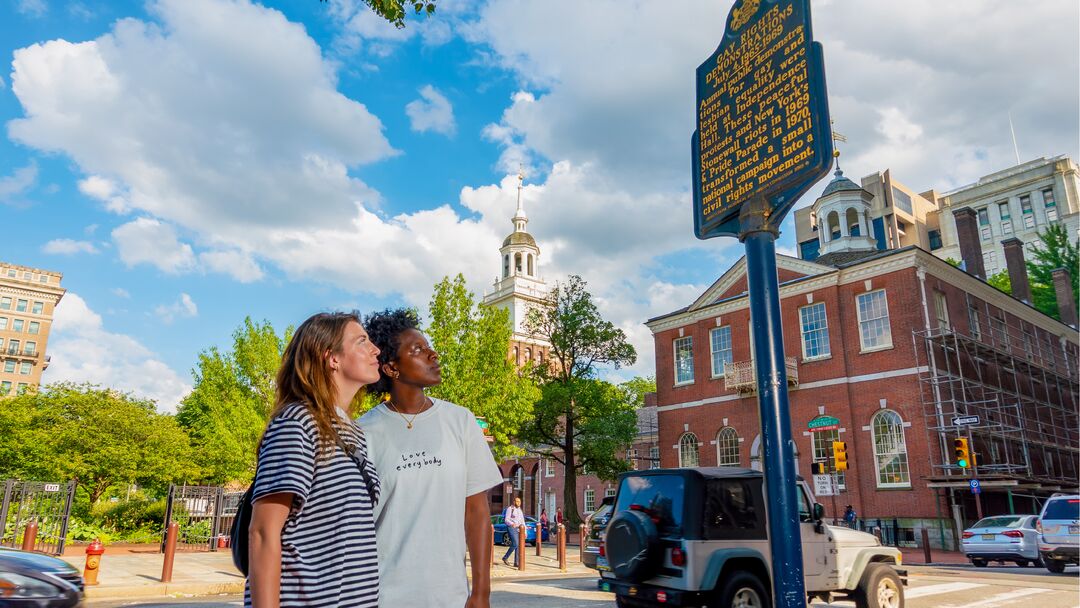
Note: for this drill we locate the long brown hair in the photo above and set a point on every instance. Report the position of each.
(305, 375)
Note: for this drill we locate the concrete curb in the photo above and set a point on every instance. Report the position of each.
(123, 592)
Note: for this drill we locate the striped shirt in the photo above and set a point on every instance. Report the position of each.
(328, 550)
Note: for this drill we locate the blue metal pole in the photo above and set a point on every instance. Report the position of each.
(777, 446)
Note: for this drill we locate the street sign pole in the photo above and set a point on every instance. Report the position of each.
(778, 461)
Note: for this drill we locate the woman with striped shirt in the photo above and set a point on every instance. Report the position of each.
(312, 534)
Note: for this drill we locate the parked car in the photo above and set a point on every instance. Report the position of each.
(1059, 532)
(503, 538)
(32, 579)
(594, 526)
(1003, 538)
(693, 537)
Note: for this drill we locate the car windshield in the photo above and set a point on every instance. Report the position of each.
(659, 496)
(1011, 521)
(1062, 508)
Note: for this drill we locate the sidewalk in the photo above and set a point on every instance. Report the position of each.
(134, 573)
(914, 556)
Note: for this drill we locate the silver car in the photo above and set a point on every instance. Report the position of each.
(1059, 527)
(1003, 538)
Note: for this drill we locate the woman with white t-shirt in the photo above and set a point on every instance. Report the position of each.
(435, 469)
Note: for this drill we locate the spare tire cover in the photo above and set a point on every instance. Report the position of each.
(630, 545)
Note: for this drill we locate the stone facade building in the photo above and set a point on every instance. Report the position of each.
(28, 297)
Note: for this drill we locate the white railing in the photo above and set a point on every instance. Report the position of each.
(739, 376)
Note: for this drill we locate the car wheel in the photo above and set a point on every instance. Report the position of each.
(742, 590)
(979, 563)
(880, 587)
(1037, 562)
(1023, 563)
(1055, 565)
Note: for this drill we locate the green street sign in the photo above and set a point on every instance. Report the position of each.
(823, 423)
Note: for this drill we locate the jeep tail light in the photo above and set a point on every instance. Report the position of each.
(1013, 534)
(661, 596)
(678, 558)
(967, 534)
(1038, 526)
(602, 550)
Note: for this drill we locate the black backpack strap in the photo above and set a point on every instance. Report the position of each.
(364, 465)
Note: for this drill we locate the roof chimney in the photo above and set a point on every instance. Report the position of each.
(1018, 277)
(967, 235)
(1063, 291)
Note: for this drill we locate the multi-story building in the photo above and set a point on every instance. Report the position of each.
(1017, 202)
(27, 299)
(884, 350)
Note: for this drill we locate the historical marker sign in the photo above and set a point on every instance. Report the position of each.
(762, 116)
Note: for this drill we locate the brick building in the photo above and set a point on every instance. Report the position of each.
(892, 344)
(27, 299)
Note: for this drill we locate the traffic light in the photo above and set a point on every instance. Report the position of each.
(817, 468)
(839, 453)
(961, 452)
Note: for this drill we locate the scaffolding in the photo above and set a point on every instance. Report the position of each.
(1012, 390)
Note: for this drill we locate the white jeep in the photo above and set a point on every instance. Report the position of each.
(698, 537)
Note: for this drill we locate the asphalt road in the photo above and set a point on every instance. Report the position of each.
(929, 587)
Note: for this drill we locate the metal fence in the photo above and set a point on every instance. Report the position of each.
(203, 514)
(46, 504)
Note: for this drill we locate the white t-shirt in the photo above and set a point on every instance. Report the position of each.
(426, 473)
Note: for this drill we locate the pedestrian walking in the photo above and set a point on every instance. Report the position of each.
(849, 516)
(543, 523)
(436, 470)
(311, 541)
(514, 518)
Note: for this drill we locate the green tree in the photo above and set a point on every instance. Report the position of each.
(473, 342)
(1001, 281)
(636, 388)
(100, 437)
(580, 421)
(227, 409)
(1053, 250)
(394, 11)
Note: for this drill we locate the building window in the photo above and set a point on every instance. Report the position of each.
(609, 492)
(1006, 217)
(984, 224)
(11, 272)
(1051, 205)
(935, 239)
(549, 467)
(688, 450)
(9, 366)
(530, 270)
(590, 501)
(890, 450)
(44, 278)
(38, 307)
(1026, 211)
(517, 263)
(720, 344)
(822, 445)
(654, 457)
(684, 360)
(24, 368)
(974, 326)
(528, 354)
(873, 312)
(17, 324)
(999, 331)
(506, 265)
(727, 447)
(30, 349)
(20, 305)
(13, 347)
(989, 262)
(519, 479)
(3, 322)
(33, 328)
(5, 303)
(941, 310)
(5, 388)
(22, 387)
(901, 200)
(815, 331)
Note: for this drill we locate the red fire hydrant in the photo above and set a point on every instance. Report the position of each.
(93, 562)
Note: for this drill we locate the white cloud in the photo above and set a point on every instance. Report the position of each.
(106, 191)
(237, 264)
(31, 8)
(149, 241)
(120, 292)
(183, 308)
(18, 183)
(432, 112)
(82, 350)
(68, 247)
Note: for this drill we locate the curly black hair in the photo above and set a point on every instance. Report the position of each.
(385, 329)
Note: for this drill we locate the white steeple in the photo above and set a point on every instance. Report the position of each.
(520, 219)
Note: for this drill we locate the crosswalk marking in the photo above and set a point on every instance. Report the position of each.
(915, 592)
(1001, 598)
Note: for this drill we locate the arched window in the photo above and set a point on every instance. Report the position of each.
(833, 220)
(890, 450)
(755, 454)
(517, 263)
(531, 272)
(515, 351)
(853, 221)
(519, 479)
(688, 450)
(727, 447)
(540, 357)
(528, 354)
(506, 265)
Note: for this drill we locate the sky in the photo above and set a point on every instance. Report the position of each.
(187, 163)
